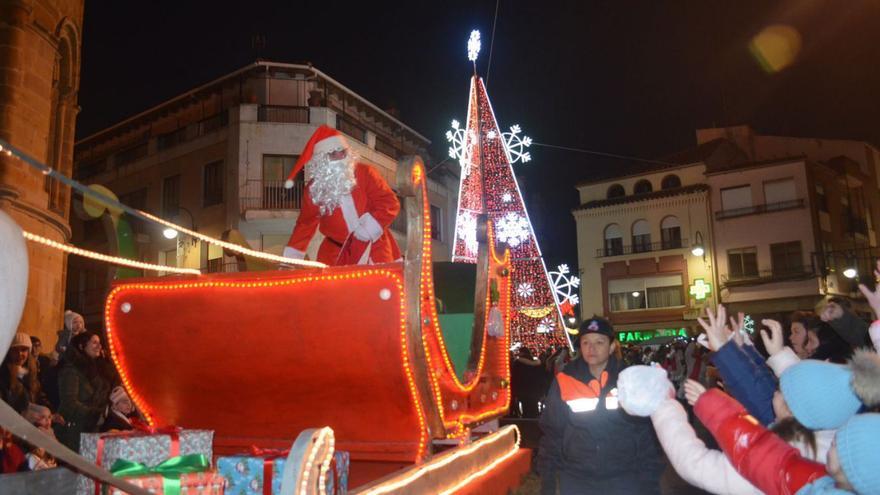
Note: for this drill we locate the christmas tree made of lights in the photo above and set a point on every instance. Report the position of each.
(488, 186)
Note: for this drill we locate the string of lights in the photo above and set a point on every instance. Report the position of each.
(107, 258)
(12, 151)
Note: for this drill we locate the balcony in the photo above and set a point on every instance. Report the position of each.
(642, 248)
(769, 276)
(270, 195)
(283, 114)
(758, 209)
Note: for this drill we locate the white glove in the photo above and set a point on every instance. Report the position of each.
(368, 229)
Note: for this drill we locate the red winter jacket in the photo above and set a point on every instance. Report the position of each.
(760, 456)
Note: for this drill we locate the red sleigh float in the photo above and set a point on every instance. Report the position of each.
(260, 356)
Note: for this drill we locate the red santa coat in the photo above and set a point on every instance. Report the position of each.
(371, 203)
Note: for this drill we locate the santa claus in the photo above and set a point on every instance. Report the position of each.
(348, 201)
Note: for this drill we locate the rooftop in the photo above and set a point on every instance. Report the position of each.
(633, 198)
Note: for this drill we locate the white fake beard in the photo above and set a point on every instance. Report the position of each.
(330, 181)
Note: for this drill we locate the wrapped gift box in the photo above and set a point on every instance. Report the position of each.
(206, 483)
(245, 474)
(150, 449)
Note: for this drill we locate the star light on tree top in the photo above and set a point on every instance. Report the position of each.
(473, 45)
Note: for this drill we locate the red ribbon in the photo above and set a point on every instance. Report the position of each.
(141, 429)
(269, 456)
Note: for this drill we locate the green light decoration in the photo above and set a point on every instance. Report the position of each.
(700, 289)
(120, 237)
(749, 324)
(643, 335)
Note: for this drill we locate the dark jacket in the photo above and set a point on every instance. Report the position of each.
(115, 422)
(84, 393)
(600, 450)
(747, 378)
(851, 328)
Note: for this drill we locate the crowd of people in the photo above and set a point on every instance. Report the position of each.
(70, 390)
(791, 409)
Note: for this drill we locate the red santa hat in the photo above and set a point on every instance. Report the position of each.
(324, 140)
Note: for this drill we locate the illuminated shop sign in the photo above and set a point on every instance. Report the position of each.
(643, 335)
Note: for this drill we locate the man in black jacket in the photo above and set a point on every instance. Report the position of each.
(590, 443)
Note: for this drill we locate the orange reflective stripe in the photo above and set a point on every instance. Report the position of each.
(572, 389)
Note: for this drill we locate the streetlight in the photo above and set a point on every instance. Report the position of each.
(698, 249)
(170, 233)
(850, 272)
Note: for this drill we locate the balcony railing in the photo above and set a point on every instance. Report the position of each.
(284, 114)
(770, 276)
(354, 130)
(270, 195)
(758, 209)
(642, 248)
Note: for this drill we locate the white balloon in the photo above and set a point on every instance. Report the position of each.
(13, 279)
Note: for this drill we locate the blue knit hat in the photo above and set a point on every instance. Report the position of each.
(819, 394)
(857, 448)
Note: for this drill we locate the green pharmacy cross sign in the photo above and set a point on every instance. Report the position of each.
(643, 335)
(700, 289)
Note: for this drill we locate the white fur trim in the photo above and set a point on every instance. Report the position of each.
(292, 253)
(372, 227)
(782, 360)
(329, 144)
(349, 212)
(874, 331)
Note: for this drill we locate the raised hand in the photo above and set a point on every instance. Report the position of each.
(873, 297)
(773, 342)
(716, 327)
(738, 325)
(693, 390)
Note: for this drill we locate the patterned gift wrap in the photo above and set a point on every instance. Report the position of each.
(149, 449)
(206, 483)
(246, 474)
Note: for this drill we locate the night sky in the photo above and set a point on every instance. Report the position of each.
(623, 77)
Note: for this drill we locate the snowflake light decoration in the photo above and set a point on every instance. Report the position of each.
(459, 148)
(473, 45)
(546, 325)
(507, 197)
(525, 290)
(517, 144)
(564, 285)
(749, 324)
(467, 232)
(513, 229)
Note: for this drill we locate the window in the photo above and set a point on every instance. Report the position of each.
(670, 233)
(821, 199)
(641, 236)
(616, 191)
(436, 222)
(276, 168)
(786, 258)
(742, 263)
(642, 187)
(213, 183)
(671, 181)
(613, 240)
(734, 198)
(171, 196)
(214, 259)
(645, 293)
(779, 191)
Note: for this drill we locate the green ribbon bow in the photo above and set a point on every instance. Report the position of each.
(170, 470)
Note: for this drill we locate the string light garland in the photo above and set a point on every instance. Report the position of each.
(106, 258)
(12, 151)
(396, 484)
(488, 185)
